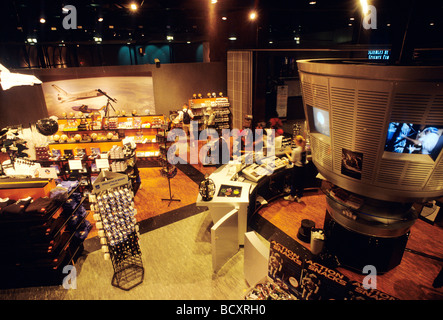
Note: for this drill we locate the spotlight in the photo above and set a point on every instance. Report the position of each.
(42, 20)
(364, 6)
(252, 15)
(100, 19)
(133, 6)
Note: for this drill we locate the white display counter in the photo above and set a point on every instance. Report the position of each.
(222, 204)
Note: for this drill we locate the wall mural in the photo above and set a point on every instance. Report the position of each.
(130, 93)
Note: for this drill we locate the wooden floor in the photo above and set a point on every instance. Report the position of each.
(411, 280)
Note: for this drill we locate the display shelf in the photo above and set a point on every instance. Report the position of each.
(220, 106)
(35, 250)
(96, 132)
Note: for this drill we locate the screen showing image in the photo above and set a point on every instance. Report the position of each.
(414, 139)
(321, 121)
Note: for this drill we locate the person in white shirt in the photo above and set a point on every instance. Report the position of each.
(185, 116)
(298, 159)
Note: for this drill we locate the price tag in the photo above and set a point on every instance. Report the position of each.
(102, 163)
(75, 165)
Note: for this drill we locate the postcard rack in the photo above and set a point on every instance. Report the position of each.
(114, 213)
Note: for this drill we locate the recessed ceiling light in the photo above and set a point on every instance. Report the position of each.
(252, 15)
(42, 20)
(100, 19)
(431, 24)
(224, 18)
(312, 2)
(232, 38)
(133, 6)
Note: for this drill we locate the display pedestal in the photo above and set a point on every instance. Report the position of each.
(362, 231)
(355, 250)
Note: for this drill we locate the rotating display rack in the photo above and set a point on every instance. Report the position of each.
(114, 213)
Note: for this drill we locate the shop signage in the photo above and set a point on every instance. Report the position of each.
(307, 278)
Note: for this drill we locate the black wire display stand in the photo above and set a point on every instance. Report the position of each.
(168, 170)
(118, 229)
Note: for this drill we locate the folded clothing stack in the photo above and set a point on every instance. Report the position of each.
(5, 202)
(40, 206)
(70, 204)
(83, 230)
(70, 185)
(18, 206)
(76, 218)
(28, 206)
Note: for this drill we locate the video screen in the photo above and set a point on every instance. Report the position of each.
(321, 121)
(414, 139)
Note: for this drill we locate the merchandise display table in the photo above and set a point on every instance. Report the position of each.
(234, 191)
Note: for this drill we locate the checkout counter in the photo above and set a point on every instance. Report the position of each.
(239, 185)
(241, 188)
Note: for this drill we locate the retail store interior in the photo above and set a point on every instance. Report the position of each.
(221, 150)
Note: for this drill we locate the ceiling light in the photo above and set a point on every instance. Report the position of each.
(169, 38)
(224, 18)
(53, 28)
(252, 15)
(352, 18)
(133, 6)
(313, 2)
(188, 42)
(232, 38)
(111, 27)
(431, 24)
(100, 19)
(364, 6)
(42, 20)
(213, 1)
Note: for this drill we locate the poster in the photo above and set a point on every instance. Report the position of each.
(129, 92)
(308, 279)
(351, 163)
(282, 101)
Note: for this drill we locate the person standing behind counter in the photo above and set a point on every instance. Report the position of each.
(299, 161)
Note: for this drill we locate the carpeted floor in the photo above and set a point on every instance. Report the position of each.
(177, 265)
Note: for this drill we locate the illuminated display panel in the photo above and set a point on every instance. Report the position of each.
(414, 139)
(320, 120)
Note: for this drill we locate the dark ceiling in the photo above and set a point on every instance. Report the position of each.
(279, 22)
